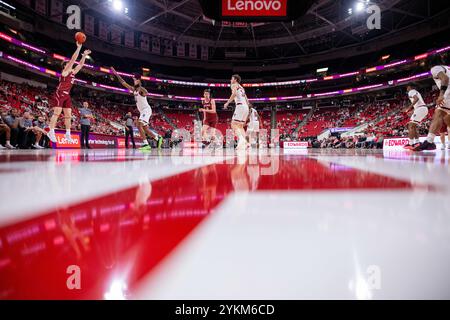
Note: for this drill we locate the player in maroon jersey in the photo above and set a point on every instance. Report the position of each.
(61, 100)
(210, 117)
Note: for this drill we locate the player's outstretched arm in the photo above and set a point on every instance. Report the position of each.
(82, 61)
(233, 95)
(122, 82)
(69, 65)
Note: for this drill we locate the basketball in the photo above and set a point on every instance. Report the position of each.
(80, 37)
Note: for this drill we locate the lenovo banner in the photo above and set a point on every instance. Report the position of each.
(63, 143)
(251, 11)
(254, 8)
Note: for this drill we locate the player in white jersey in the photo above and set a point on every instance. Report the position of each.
(441, 76)
(419, 114)
(145, 111)
(254, 121)
(241, 112)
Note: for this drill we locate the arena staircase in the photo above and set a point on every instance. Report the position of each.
(305, 120)
(167, 119)
(363, 127)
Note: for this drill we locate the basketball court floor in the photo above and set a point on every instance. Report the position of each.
(193, 224)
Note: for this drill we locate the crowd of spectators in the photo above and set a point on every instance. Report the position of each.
(363, 141)
(385, 119)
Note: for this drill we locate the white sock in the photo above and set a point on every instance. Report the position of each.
(430, 137)
(52, 130)
(68, 132)
(411, 141)
(8, 142)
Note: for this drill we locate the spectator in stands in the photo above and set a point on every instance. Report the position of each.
(351, 142)
(129, 130)
(370, 141)
(379, 141)
(27, 132)
(12, 120)
(85, 122)
(39, 126)
(361, 141)
(4, 129)
(25, 122)
(316, 143)
(336, 142)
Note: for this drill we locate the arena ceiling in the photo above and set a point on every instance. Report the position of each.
(327, 25)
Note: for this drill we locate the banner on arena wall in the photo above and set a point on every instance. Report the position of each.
(240, 25)
(238, 8)
(145, 42)
(205, 53)
(101, 141)
(338, 130)
(168, 49)
(181, 49)
(399, 143)
(41, 7)
(129, 38)
(89, 24)
(25, 2)
(63, 143)
(56, 10)
(103, 30)
(156, 46)
(295, 145)
(193, 50)
(116, 34)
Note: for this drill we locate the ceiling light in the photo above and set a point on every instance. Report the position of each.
(117, 5)
(359, 6)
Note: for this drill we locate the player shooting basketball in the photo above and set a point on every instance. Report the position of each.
(62, 100)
